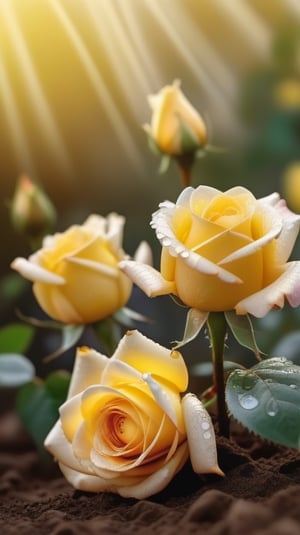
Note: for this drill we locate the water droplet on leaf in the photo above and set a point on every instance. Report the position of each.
(247, 401)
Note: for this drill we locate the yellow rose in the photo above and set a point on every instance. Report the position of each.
(176, 127)
(75, 273)
(224, 251)
(124, 428)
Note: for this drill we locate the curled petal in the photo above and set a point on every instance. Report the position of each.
(162, 398)
(157, 481)
(143, 254)
(87, 370)
(58, 445)
(34, 273)
(273, 296)
(147, 278)
(200, 436)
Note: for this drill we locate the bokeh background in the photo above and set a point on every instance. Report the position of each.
(74, 80)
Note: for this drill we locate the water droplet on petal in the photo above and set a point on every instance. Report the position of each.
(207, 435)
(166, 242)
(293, 386)
(205, 425)
(247, 401)
(184, 254)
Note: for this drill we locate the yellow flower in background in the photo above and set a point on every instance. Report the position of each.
(124, 428)
(75, 274)
(291, 186)
(287, 94)
(223, 251)
(176, 127)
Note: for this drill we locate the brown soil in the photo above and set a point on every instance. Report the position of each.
(259, 495)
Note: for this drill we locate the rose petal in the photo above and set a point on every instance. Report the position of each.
(70, 416)
(57, 305)
(162, 398)
(289, 233)
(101, 268)
(201, 436)
(143, 254)
(157, 481)
(95, 483)
(87, 370)
(286, 286)
(147, 278)
(58, 445)
(33, 272)
(144, 354)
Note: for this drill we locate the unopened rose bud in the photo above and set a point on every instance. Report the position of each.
(176, 130)
(32, 212)
(176, 127)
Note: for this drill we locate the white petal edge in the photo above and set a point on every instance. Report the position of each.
(147, 278)
(273, 296)
(35, 273)
(143, 254)
(87, 370)
(200, 436)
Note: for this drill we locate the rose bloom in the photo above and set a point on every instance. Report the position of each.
(174, 117)
(124, 427)
(223, 251)
(75, 274)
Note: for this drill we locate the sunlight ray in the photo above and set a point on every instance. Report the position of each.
(249, 25)
(142, 51)
(34, 90)
(114, 39)
(16, 131)
(110, 107)
(222, 109)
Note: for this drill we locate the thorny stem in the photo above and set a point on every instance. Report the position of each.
(217, 332)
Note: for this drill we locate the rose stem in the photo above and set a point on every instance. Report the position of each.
(217, 332)
(185, 174)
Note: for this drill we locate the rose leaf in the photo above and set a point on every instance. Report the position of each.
(15, 338)
(266, 400)
(195, 320)
(15, 370)
(38, 403)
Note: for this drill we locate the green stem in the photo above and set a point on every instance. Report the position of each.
(217, 331)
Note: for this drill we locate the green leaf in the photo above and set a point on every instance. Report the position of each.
(15, 370)
(38, 403)
(108, 332)
(15, 338)
(242, 330)
(266, 400)
(195, 320)
(70, 336)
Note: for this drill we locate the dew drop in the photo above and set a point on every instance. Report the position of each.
(205, 426)
(293, 386)
(184, 254)
(207, 435)
(247, 401)
(166, 242)
(272, 408)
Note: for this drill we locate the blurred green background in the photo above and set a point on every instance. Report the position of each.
(74, 80)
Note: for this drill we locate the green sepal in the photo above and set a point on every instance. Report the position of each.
(70, 336)
(242, 329)
(195, 320)
(266, 400)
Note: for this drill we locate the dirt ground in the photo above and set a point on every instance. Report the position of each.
(260, 494)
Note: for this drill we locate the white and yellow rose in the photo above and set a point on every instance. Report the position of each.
(75, 275)
(124, 427)
(224, 251)
(176, 127)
